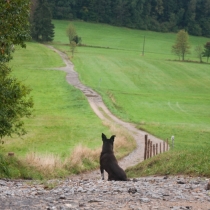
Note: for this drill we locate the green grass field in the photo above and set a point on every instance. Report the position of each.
(161, 95)
(149, 90)
(62, 122)
(62, 117)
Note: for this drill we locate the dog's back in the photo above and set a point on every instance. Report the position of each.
(108, 162)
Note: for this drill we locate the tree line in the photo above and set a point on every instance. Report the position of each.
(182, 47)
(155, 15)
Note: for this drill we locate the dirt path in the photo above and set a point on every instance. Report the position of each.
(97, 105)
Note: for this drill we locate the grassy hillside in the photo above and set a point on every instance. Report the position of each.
(62, 114)
(161, 95)
(62, 124)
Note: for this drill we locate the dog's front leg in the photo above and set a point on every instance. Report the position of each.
(102, 172)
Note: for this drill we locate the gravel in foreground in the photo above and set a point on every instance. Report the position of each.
(139, 194)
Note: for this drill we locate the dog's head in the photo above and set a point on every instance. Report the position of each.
(108, 143)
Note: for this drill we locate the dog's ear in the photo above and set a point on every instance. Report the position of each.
(112, 138)
(103, 137)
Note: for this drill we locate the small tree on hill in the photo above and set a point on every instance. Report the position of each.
(72, 34)
(199, 52)
(181, 46)
(73, 47)
(42, 27)
(206, 52)
(74, 39)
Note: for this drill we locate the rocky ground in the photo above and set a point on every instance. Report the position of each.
(152, 193)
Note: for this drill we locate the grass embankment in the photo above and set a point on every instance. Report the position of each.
(62, 122)
(161, 95)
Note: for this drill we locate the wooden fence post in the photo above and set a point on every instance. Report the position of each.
(150, 148)
(153, 150)
(167, 145)
(156, 149)
(145, 148)
(11, 154)
(160, 148)
(164, 146)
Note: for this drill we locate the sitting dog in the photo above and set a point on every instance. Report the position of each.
(108, 161)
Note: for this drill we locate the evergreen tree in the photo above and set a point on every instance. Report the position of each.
(62, 9)
(158, 15)
(42, 27)
(104, 11)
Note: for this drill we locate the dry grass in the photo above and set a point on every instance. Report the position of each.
(44, 163)
(122, 141)
(80, 153)
(81, 158)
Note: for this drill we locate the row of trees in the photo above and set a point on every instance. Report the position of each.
(182, 47)
(156, 15)
(42, 28)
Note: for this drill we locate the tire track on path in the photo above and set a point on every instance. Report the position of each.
(99, 108)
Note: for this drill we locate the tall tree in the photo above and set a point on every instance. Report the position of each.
(14, 26)
(14, 96)
(181, 46)
(42, 27)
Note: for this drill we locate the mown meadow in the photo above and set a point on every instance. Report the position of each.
(63, 123)
(157, 92)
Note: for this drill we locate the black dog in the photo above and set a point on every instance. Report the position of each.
(108, 161)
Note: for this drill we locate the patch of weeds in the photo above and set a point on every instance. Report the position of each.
(12, 167)
(4, 171)
(89, 164)
(49, 185)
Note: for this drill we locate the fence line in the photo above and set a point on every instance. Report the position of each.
(151, 150)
